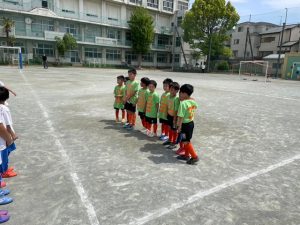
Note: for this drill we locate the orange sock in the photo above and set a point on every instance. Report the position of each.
(190, 149)
(144, 122)
(133, 119)
(129, 117)
(117, 114)
(167, 130)
(162, 129)
(123, 114)
(175, 136)
(170, 136)
(155, 128)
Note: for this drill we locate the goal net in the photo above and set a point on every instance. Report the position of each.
(11, 56)
(254, 70)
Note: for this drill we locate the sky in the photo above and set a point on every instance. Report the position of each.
(267, 10)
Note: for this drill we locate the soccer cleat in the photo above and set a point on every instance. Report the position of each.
(167, 143)
(172, 146)
(161, 137)
(165, 138)
(144, 131)
(2, 184)
(180, 151)
(5, 200)
(183, 157)
(4, 192)
(3, 212)
(10, 169)
(4, 218)
(130, 127)
(126, 125)
(9, 174)
(192, 161)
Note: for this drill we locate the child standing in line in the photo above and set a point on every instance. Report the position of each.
(119, 93)
(152, 105)
(163, 111)
(185, 123)
(130, 99)
(173, 105)
(141, 102)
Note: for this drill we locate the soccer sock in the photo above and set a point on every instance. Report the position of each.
(162, 129)
(171, 136)
(155, 128)
(123, 114)
(144, 122)
(175, 135)
(129, 117)
(167, 130)
(190, 149)
(133, 119)
(117, 114)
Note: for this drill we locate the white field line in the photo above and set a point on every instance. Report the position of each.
(201, 194)
(77, 183)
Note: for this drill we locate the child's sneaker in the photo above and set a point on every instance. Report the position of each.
(4, 218)
(126, 125)
(192, 161)
(172, 146)
(183, 157)
(5, 200)
(161, 137)
(150, 134)
(167, 143)
(9, 174)
(3, 212)
(129, 127)
(123, 121)
(4, 192)
(180, 151)
(2, 184)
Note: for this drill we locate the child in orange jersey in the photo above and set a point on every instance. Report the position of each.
(152, 105)
(185, 123)
(119, 93)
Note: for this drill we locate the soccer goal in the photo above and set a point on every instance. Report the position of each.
(252, 70)
(11, 56)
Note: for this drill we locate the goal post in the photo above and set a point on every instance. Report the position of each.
(253, 70)
(11, 55)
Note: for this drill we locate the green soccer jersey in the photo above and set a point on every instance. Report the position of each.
(119, 94)
(152, 101)
(163, 108)
(173, 105)
(132, 88)
(141, 102)
(187, 110)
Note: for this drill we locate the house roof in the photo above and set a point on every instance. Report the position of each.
(274, 56)
(289, 43)
(258, 23)
(278, 29)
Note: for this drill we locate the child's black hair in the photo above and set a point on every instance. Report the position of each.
(145, 80)
(126, 79)
(167, 81)
(153, 82)
(187, 88)
(4, 94)
(132, 71)
(175, 85)
(121, 77)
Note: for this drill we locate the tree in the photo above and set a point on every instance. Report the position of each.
(207, 24)
(142, 31)
(68, 42)
(8, 25)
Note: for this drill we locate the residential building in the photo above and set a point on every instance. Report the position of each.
(99, 26)
(239, 35)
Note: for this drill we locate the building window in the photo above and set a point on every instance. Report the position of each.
(152, 3)
(162, 40)
(178, 41)
(21, 44)
(179, 21)
(236, 41)
(14, 2)
(91, 15)
(168, 5)
(113, 54)
(162, 57)
(267, 39)
(240, 29)
(46, 49)
(130, 56)
(136, 1)
(115, 34)
(71, 28)
(42, 25)
(92, 53)
(183, 6)
(177, 58)
(235, 53)
(148, 57)
(68, 11)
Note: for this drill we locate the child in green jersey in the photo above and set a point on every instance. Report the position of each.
(172, 108)
(141, 102)
(130, 99)
(185, 122)
(152, 104)
(119, 93)
(163, 111)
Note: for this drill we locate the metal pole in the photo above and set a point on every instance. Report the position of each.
(280, 47)
(209, 54)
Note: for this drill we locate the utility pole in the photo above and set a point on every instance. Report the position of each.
(280, 47)
(209, 54)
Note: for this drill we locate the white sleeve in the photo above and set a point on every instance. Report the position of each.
(7, 117)
(1, 84)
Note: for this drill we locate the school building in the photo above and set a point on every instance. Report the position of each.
(100, 28)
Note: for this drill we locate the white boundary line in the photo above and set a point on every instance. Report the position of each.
(77, 183)
(201, 194)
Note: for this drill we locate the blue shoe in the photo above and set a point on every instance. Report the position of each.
(126, 125)
(165, 138)
(5, 200)
(4, 192)
(130, 127)
(161, 137)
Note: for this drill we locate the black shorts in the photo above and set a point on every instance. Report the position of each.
(163, 121)
(118, 108)
(142, 115)
(151, 120)
(187, 131)
(130, 107)
(170, 122)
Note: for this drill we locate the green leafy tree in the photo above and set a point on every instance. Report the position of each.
(206, 26)
(142, 31)
(8, 25)
(68, 42)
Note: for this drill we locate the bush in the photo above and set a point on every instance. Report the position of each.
(223, 66)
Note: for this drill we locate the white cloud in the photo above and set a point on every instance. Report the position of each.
(281, 4)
